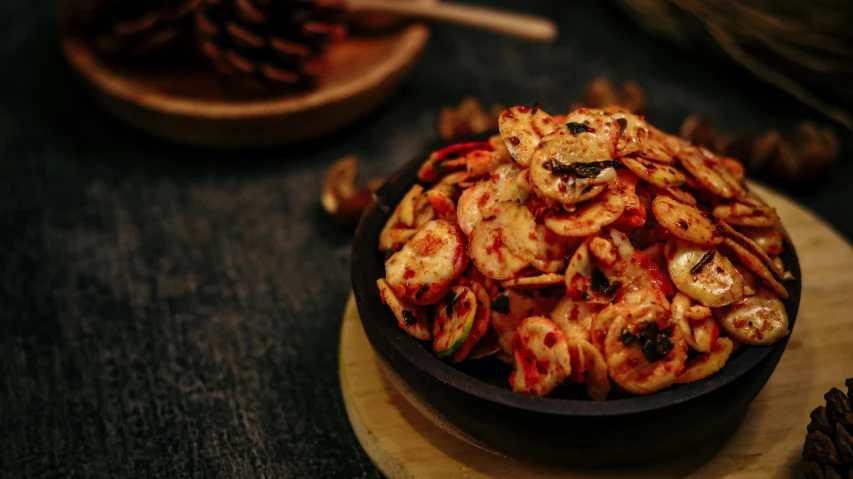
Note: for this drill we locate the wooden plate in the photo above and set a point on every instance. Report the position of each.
(404, 443)
(190, 104)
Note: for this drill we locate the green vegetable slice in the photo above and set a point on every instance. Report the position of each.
(453, 320)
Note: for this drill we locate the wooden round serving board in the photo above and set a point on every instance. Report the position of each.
(191, 104)
(406, 444)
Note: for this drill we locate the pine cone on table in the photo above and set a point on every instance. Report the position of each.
(267, 46)
(130, 29)
(828, 450)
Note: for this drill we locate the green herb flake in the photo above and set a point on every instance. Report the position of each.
(705, 259)
(409, 318)
(501, 304)
(576, 128)
(580, 170)
(655, 344)
(585, 296)
(438, 166)
(614, 286)
(599, 280)
(421, 292)
(451, 298)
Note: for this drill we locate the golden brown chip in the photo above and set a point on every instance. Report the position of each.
(534, 282)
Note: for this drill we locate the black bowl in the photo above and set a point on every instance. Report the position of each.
(473, 400)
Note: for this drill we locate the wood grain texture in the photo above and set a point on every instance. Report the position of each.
(406, 444)
(191, 104)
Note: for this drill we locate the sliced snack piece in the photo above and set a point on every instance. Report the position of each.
(392, 239)
(579, 271)
(709, 172)
(681, 195)
(502, 185)
(589, 366)
(634, 215)
(407, 205)
(641, 272)
(480, 325)
(497, 143)
(644, 350)
(575, 317)
(455, 178)
(705, 365)
(411, 318)
(531, 242)
(699, 333)
(768, 239)
(587, 281)
(523, 128)
(600, 325)
(486, 346)
(658, 274)
(448, 159)
(734, 167)
(570, 169)
(534, 282)
(634, 132)
(585, 123)
(540, 356)
(509, 309)
(671, 143)
(747, 212)
(645, 296)
(426, 265)
(685, 221)
(662, 176)
(590, 217)
(442, 204)
(703, 273)
(760, 264)
(454, 318)
(400, 226)
(760, 319)
(490, 254)
(424, 212)
(479, 163)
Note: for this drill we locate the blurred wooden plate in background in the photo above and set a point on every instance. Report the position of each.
(190, 103)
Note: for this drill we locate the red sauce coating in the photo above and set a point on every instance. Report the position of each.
(550, 340)
(460, 149)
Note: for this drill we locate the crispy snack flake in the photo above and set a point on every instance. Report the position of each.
(588, 248)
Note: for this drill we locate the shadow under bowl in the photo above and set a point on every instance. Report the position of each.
(473, 400)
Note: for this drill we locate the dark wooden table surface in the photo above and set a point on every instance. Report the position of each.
(168, 312)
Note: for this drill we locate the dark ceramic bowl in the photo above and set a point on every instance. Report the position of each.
(473, 399)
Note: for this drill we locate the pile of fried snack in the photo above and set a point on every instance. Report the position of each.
(590, 248)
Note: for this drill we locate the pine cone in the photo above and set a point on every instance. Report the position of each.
(130, 29)
(268, 46)
(828, 451)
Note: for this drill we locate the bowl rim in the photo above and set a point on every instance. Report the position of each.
(367, 299)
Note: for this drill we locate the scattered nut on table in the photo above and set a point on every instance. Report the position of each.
(340, 197)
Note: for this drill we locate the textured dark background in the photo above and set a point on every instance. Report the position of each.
(167, 312)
